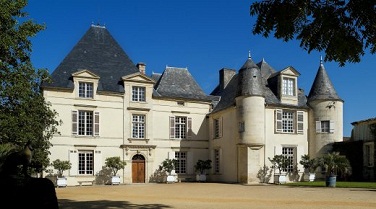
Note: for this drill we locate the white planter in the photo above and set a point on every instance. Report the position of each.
(115, 180)
(309, 176)
(201, 177)
(61, 182)
(280, 178)
(171, 179)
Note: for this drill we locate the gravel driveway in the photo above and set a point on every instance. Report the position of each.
(212, 195)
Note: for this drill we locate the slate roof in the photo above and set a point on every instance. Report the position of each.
(98, 52)
(322, 88)
(253, 79)
(178, 83)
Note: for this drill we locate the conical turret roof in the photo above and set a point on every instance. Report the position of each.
(250, 80)
(98, 52)
(322, 88)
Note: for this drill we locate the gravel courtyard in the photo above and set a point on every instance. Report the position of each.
(212, 195)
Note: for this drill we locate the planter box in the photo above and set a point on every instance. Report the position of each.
(201, 177)
(309, 176)
(171, 179)
(61, 182)
(280, 178)
(115, 180)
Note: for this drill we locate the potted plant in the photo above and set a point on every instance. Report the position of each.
(280, 163)
(61, 166)
(168, 165)
(201, 167)
(310, 166)
(333, 164)
(115, 164)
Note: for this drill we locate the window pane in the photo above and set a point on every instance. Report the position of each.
(85, 90)
(288, 86)
(138, 126)
(325, 126)
(85, 162)
(180, 127)
(85, 123)
(289, 153)
(288, 122)
(138, 94)
(181, 158)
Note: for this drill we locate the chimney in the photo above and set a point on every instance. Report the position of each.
(141, 67)
(225, 76)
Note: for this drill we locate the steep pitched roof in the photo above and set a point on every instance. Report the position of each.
(98, 52)
(322, 88)
(178, 83)
(250, 80)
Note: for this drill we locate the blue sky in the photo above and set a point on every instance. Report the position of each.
(203, 36)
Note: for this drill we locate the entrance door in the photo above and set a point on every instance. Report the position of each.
(138, 169)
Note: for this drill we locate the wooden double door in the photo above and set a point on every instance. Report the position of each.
(138, 169)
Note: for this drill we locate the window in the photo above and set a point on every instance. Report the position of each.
(216, 161)
(368, 154)
(218, 128)
(289, 121)
(324, 126)
(288, 86)
(180, 127)
(85, 90)
(86, 162)
(138, 94)
(289, 152)
(241, 127)
(138, 126)
(85, 123)
(181, 162)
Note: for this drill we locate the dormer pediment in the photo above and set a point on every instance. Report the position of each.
(85, 74)
(138, 77)
(291, 71)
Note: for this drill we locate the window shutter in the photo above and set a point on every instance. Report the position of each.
(97, 162)
(189, 128)
(74, 122)
(318, 126)
(278, 120)
(73, 158)
(220, 120)
(172, 127)
(331, 127)
(96, 124)
(300, 122)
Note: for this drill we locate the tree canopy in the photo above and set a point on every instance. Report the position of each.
(24, 113)
(343, 29)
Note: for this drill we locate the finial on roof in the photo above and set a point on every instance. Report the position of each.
(263, 60)
(249, 54)
(321, 60)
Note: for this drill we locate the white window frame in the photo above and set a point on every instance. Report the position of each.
(181, 162)
(217, 161)
(85, 123)
(85, 162)
(288, 86)
(86, 90)
(180, 127)
(138, 94)
(289, 121)
(322, 126)
(138, 126)
(290, 153)
(217, 128)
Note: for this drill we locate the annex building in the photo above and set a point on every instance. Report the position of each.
(109, 107)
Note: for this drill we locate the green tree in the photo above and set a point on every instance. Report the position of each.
(24, 113)
(341, 28)
(115, 164)
(61, 166)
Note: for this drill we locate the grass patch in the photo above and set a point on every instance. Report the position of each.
(339, 184)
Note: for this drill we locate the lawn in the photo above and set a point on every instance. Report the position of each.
(339, 184)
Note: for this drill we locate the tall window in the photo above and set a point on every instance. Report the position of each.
(218, 128)
(216, 161)
(287, 122)
(180, 127)
(85, 123)
(368, 154)
(138, 94)
(86, 162)
(181, 162)
(85, 90)
(138, 126)
(288, 86)
(289, 152)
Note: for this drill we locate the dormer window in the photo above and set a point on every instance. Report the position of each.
(85, 90)
(138, 94)
(288, 86)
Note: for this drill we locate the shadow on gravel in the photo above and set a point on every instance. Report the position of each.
(105, 204)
